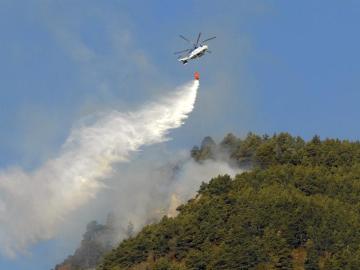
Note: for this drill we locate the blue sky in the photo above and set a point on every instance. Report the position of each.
(276, 66)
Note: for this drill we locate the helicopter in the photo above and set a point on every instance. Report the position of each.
(198, 49)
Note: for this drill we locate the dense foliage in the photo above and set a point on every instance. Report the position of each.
(298, 208)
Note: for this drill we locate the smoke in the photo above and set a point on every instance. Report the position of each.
(155, 184)
(34, 205)
(152, 185)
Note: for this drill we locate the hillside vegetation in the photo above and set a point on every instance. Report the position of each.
(297, 208)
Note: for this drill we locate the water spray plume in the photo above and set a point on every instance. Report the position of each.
(33, 205)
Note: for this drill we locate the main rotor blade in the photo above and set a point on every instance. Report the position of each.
(184, 38)
(207, 39)
(197, 41)
(182, 51)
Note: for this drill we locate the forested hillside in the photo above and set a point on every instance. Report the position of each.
(297, 208)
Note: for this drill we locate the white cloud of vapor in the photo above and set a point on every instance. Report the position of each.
(34, 205)
(152, 185)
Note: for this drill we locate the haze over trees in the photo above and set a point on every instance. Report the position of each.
(97, 240)
(297, 208)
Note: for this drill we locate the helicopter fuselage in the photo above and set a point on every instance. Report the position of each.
(197, 52)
